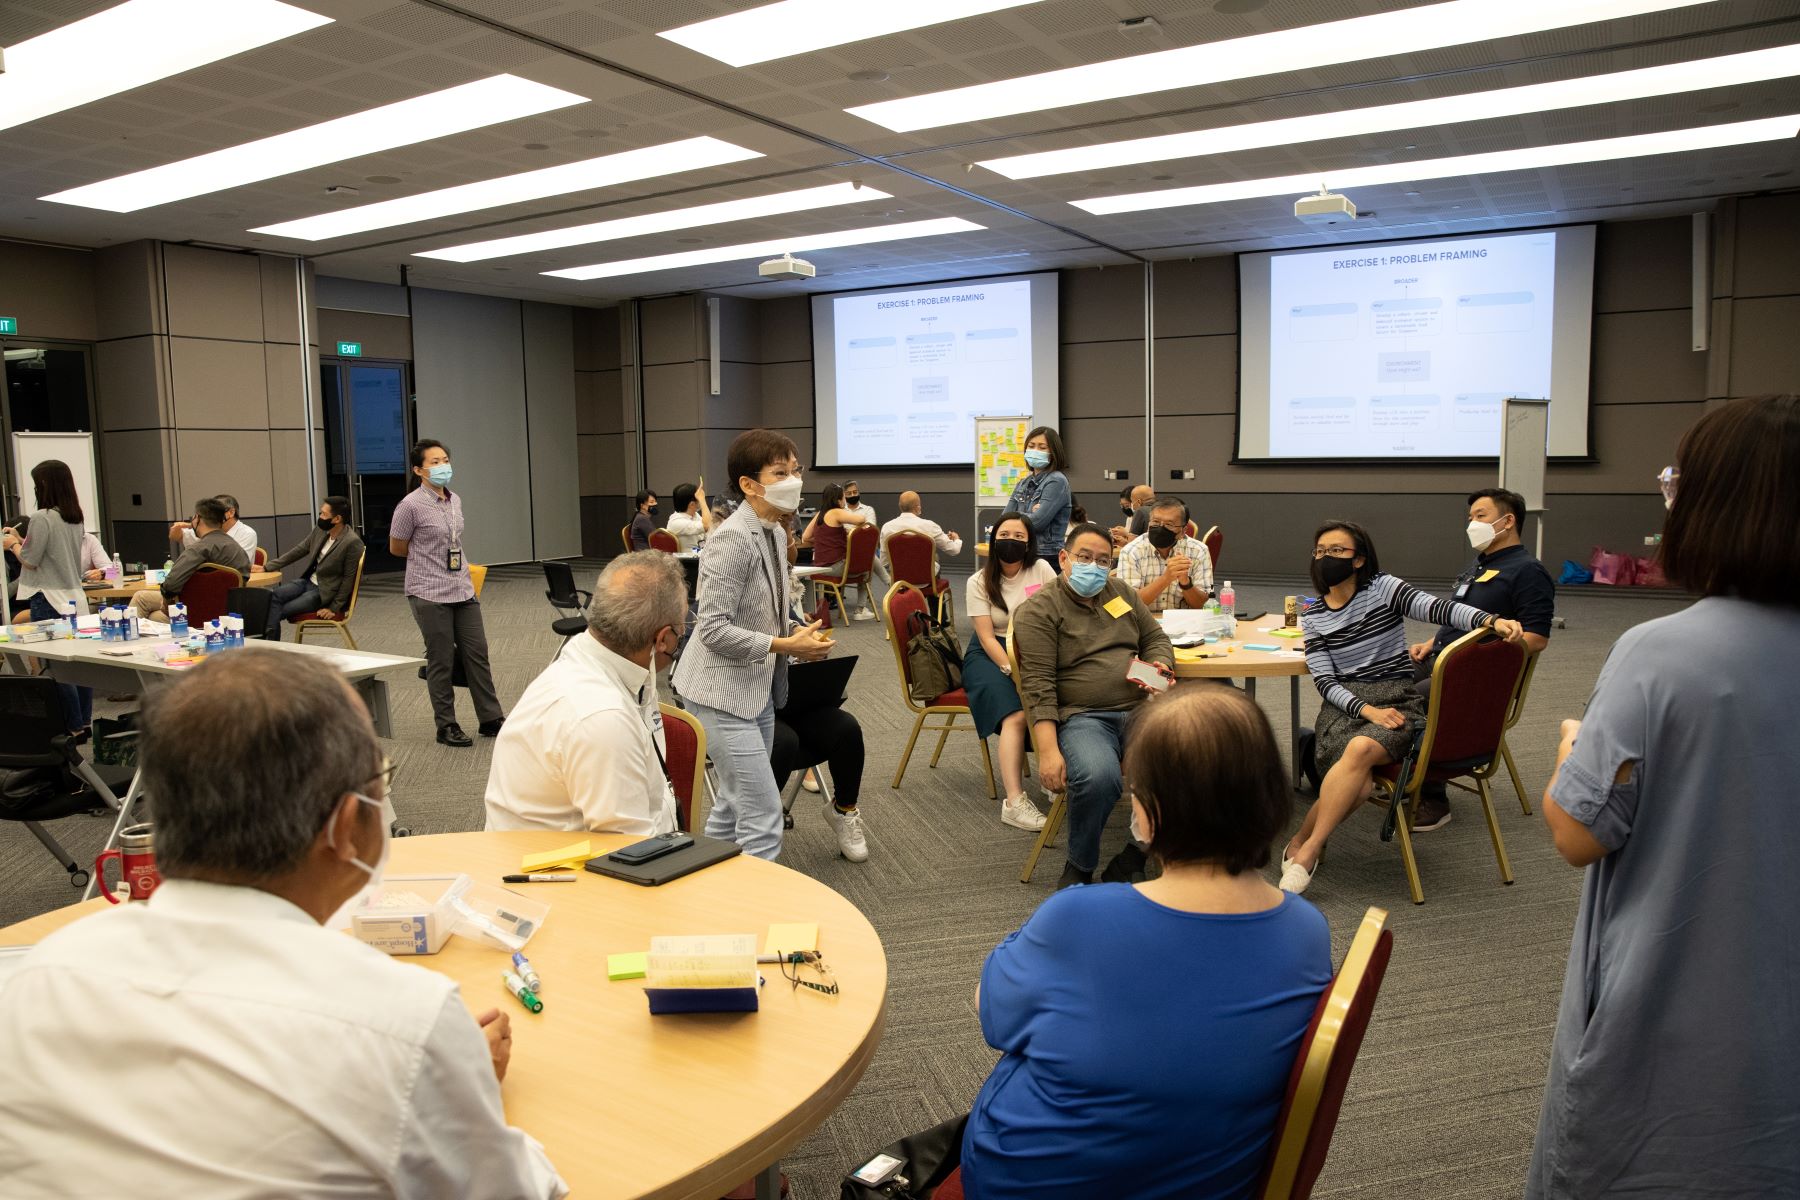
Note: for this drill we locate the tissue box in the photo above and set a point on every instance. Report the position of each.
(411, 914)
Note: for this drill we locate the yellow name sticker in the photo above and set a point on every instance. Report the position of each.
(1118, 606)
(1487, 575)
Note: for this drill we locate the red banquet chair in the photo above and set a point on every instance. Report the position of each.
(685, 755)
(204, 593)
(1214, 541)
(662, 539)
(912, 558)
(903, 600)
(858, 562)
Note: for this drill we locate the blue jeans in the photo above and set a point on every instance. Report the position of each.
(747, 808)
(287, 601)
(1092, 745)
(78, 702)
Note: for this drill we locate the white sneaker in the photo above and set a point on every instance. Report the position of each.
(849, 830)
(1294, 877)
(810, 781)
(863, 614)
(1019, 812)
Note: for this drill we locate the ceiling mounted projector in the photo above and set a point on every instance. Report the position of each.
(1326, 208)
(787, 267)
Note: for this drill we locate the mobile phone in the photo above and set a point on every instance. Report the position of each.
(1147, 676)
(879, 1169)
(651, 849)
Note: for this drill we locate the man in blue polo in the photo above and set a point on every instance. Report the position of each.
(1506, 580)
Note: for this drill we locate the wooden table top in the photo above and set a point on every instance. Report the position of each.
(630, 1105)
(126, 591)
(1244, 664)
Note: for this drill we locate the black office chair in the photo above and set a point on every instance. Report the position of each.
(564, 596)
(252, 604)
(46, 777)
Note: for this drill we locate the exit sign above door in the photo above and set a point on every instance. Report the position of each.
(9, 324)
(350, 349)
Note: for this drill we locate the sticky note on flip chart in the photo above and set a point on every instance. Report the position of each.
(571, 855)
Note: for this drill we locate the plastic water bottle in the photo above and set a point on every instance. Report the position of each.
(1228, 603)
(215, 636)
(178, 625)
(234, 632)
(109, 628)
(70, 610)
(115, 571)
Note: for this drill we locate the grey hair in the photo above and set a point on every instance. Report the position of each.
(246, 757)
(1167, 502)
(636, 595)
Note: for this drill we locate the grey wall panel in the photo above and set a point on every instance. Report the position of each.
(600, 464)
(739, 329)
(382, 335)
(128, 291)
(219, 385)
(1196, 297)
(280, 298)
(131, 383)
(50, 290)
(596, 339)
(234, 461)
(597, 401)
(1643, 265)
(281, 376)
(1768, 246)
(672, 396)
(784, 329)
(139, 486)
(1102, 379)
(1196, 374)
(213, 294)
(787, 393)
(287, 458)
(740, 398)
(1765, 351)
(470, 372)
(671, 330)
(550, 411)
(1097, 444)
(359, 295)
(672, 458)
(1643, 357)
(1100, 305)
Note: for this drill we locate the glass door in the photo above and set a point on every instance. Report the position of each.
(367, 436)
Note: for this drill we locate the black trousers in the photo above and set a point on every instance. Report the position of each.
(453, 631)
(820, 735)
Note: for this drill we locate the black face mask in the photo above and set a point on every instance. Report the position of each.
(1009, 551)
(1329, 572)
(1125, 507)
(852, 501)
(651, 508)
(325, 524)
(1160, 537)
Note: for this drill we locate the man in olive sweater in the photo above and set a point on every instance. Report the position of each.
(1077, 639)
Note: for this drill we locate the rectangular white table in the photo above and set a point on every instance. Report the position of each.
(133, 668)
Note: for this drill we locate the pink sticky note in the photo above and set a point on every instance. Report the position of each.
(1032, 589)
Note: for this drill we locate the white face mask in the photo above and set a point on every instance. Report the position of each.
(1139, 834)
(1481, 534)
(785, 494)
(341, 918)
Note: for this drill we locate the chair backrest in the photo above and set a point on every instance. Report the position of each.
(901, 601)
(1519, 693)
(625, 537)
(859, 550)
(1215, 545)
(33, 725)
(259, 558)
(1321, 1070)
(477, 576)
(205, 591)
(362, 560)
(560, 578)
(662, 539)
(1193, 530)
(1472, 688)
(684, 753)
(912, 556)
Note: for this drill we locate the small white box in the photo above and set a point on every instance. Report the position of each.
(411, 914)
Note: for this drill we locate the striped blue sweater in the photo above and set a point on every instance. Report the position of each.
(1366, 639)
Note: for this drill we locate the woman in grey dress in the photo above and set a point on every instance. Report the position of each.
(50, 560)
(1673, 1072)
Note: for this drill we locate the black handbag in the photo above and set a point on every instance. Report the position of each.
(933, 659)
(928, 1159)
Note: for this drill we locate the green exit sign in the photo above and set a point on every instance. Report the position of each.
(350, 349)
(9, 324)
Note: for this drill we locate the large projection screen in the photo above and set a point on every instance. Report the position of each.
(1406, 350)
(900, 373)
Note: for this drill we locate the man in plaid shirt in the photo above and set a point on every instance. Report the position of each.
(1167, 568)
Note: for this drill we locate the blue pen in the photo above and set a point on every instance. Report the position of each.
(527, 972)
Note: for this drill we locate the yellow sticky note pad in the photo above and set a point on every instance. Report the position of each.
(571, 855)
(1118, 606)
(627, 966)
(1487, 575)
(788, 939)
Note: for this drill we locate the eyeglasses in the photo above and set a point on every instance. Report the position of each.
(1333, 552)
(386, 777)
(792, 965)
(1667, 479)
(1092, 560)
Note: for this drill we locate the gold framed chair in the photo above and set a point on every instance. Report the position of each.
(858, 563)
(1059, 805)
(912, 557)
(1512, 718)
(901, 601)
(685, 738)
(341, 624)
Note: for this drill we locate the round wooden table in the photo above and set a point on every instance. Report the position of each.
(126, 590)
(1251, 665)
(630, 1105)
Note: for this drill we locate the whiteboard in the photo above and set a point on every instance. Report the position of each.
(999, 458)
(1523, 449)
(76, 449)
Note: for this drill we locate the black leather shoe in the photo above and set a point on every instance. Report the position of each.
(491, 728)
(452, 735)
(1072, 877)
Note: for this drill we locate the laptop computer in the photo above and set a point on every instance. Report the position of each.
(703, 853)
(817, 684)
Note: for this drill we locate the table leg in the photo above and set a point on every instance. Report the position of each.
(1294, 727)
(768, 1182)
(375, 695)
(1250, 686)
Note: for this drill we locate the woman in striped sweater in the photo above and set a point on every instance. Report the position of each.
(1356, 651)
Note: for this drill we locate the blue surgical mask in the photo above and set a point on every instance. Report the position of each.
(1087, 578)
(440, 474)
(1037, 460)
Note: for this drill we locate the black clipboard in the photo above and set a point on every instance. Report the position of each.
(702, 854)
(823, 684)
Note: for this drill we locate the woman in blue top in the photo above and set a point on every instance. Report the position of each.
(1043, 495)
(1147, 1030)
(1356, 652)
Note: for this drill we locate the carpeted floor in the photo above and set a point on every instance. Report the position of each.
(1445, 1095)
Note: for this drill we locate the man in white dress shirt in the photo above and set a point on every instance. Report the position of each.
(912, 520)
(182, 535)
(583, 748)
(221, 1040)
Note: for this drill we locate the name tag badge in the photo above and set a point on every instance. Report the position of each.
(454, 560)
(1487, 575)
(1462, 589)
(1118, 606)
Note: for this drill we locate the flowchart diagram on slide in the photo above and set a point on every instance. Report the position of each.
(1409, 351)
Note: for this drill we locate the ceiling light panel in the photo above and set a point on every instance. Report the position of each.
(1383, 35)
(133, 44)
(1530, 158)
(799, 26)
(690, 154)
(788, 245)
(1757, 66)
(804, 200)
(437, 114)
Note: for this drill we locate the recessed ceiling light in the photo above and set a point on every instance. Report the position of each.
(797, 244)
(436, 114)
(135, 43)
(869, 76)
(662, 222)
(1777, 63)
(381, 179)
(690, 154)
(1530, 158)
(797, 26)
(1456, 23)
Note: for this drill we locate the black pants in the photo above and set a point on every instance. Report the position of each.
(820, 735)
(453, 631)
